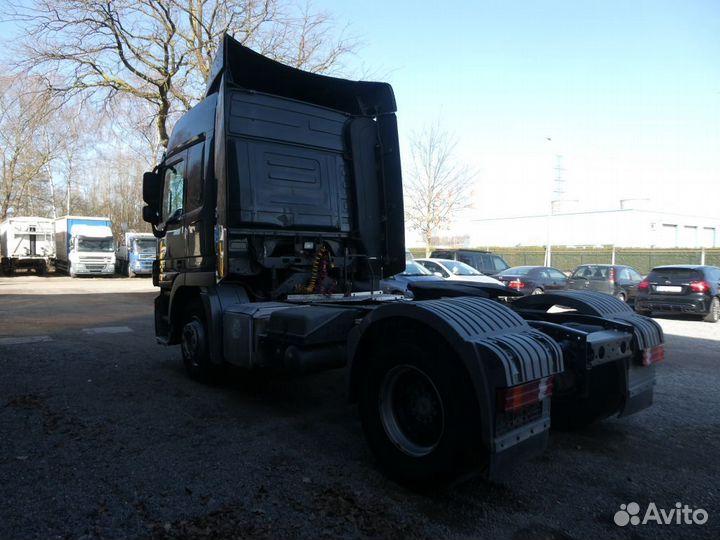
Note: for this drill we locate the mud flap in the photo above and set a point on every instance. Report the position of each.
(639, 389)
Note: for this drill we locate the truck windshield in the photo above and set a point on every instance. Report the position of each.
(94, 244)
(145, 245)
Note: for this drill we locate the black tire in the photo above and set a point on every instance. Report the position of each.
(419, 414)
(714, 312)
(195, 345)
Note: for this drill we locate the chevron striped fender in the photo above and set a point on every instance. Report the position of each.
(496, 346)
(647, 332)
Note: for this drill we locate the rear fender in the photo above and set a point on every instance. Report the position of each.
(646, 332)
(608, 315)
(496, 347)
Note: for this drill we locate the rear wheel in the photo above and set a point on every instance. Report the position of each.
(128, 270)
(537, 290)
(419, 415)
(714, 311)
(195, 345)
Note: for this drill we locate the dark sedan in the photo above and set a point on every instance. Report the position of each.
(398, 284)
(616, 279)
(681, 289)
(533, 279)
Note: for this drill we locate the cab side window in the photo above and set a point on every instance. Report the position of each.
(194, 177)
(174, 189)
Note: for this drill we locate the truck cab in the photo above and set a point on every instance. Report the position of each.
(135, 254)
(84, 246)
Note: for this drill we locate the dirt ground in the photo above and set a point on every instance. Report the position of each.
(103, 436)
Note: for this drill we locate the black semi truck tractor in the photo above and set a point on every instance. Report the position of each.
(279, 206)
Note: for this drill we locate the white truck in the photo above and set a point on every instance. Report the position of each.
(84, 246)
(26, 242)
(135, 254)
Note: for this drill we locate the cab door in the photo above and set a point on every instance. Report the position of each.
(198, 220)
(172, 250)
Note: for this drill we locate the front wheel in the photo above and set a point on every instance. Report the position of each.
(621, 296)
(714, 312)
(419, 415)
(128, 271)
(194, 345)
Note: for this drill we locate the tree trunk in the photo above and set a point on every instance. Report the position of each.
(162, 117)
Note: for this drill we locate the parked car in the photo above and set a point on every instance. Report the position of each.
(488, 263)
(456, 271)
(620, 281)
(533, 279)
(398, 284)
(681, 289)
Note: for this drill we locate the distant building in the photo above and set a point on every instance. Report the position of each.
(622, 228)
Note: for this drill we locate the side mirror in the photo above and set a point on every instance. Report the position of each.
(151, 215)
(152, 189)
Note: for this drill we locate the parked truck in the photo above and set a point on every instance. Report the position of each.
(84, 246)
(135, 254)
(279, 208)
(26, 242)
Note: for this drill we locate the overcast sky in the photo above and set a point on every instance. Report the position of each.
(628, 91)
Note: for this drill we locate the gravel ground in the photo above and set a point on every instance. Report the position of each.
(102, 436)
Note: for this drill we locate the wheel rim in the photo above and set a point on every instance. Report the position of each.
(621, 297)
(537, 291)
(411, 410)
(192, 340)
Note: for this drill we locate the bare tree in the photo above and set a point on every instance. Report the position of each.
(438, 187)
(160, 51)
(25, 151)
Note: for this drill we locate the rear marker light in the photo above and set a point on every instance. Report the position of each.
(516, 284)
(653, 355)
(514, 398)
(643, 285)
